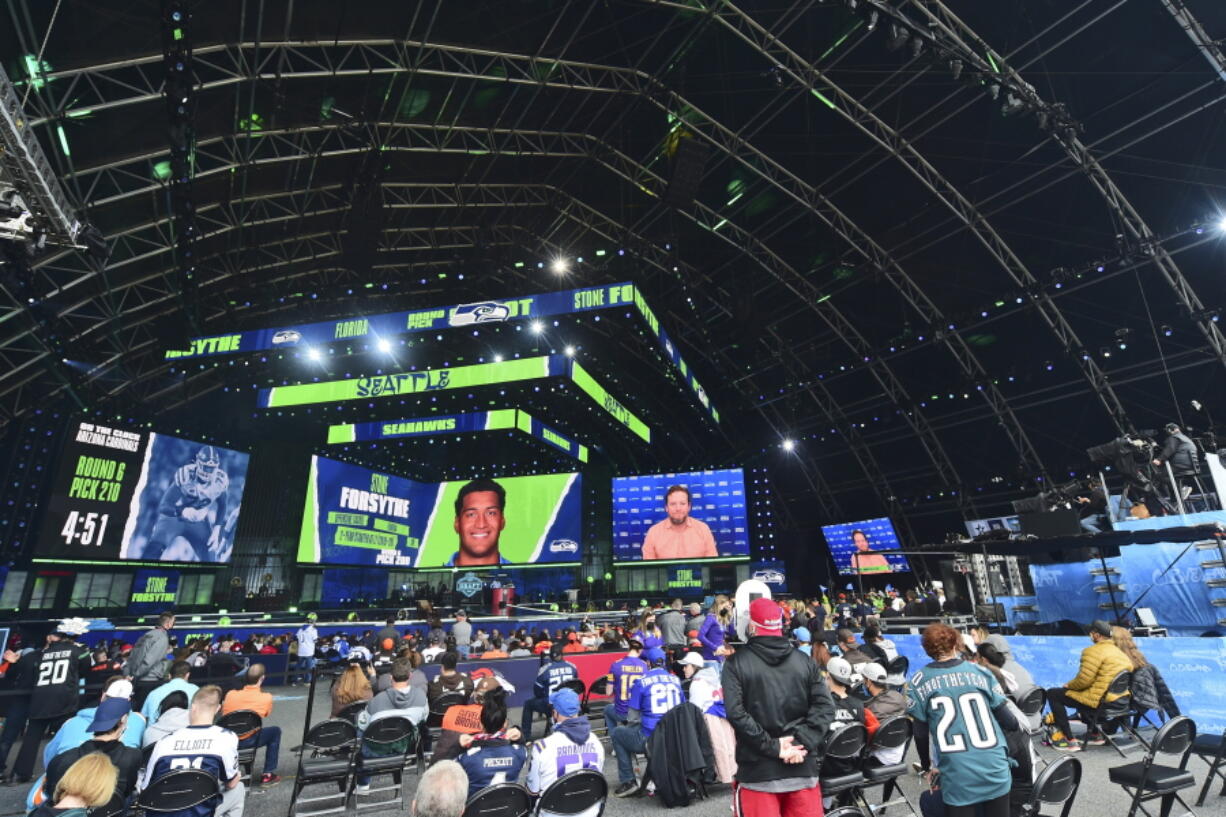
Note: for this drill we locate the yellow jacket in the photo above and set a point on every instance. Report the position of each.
(1100, 663)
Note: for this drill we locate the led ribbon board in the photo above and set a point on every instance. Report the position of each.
(391, 324)
(457, 377)
(497, 420)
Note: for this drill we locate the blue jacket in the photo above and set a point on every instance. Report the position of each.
(552, 676)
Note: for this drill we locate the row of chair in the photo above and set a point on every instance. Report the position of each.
(572, 794)
(333, 754)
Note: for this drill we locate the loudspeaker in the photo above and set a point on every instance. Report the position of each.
(688, 163)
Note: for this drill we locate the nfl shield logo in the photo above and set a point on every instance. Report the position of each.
(468, 585)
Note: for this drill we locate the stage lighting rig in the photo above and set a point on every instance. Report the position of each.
(34, 207)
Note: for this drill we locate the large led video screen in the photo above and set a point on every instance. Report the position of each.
(137, 495)
(357, 516)
(853, 546)
(651, 522)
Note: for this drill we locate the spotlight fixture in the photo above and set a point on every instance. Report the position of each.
(873, 16)
(497, 358)
(1105, 351)
(313, 354)
(537, 327)
(1221, 224)
(384, 345)
(1048, 365)
(569, 351)
(559, 266)
(1121, 338)
(788, 444)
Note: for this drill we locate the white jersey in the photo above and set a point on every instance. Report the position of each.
(556, 756)
(210, 748)
(307, 636)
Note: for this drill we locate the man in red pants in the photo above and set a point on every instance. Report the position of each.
(780, 709)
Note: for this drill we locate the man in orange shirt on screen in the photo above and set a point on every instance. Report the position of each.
(679, 536)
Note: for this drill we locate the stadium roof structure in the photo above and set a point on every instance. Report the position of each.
(939, 247)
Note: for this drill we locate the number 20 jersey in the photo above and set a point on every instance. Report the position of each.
(57, 680)
(658, 692)
(956, 699)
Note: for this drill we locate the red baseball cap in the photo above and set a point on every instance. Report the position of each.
(766, 617)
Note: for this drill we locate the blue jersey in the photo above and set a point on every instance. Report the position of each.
(658, 692)
(211, 748)
(956, 699)
(626, 673)
(492, 761)
(551, 677)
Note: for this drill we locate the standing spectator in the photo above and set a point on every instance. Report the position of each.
(714, 629)
(672, 625)
(695, 620)
(963, 709)
(803, 639)
(88, 784)
(179, 672)
(431, 653)
(60, 665)
(200, 745)
(462, 632)
(388, 636)
(1100, 663)
(307, 636)
(490, 757)
(110, 719)
(570, 747)
(780, 710)
(147, 661)
(548, 681)
(623, 675)
(650, 700)
(253, 697)
(441, 792)
(1148, 687)
(652, 640)
(20, 685)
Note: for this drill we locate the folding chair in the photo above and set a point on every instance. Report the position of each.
(595, 708)
(1057, 784)
(246, 724)
(179, 791)
(894, 733)
(1109, 712)
(846, 743)
(1212, 750)
(384, 750)
(351, 711)
(433, 726)
(575, 793)
(500, 800)
(575, 684)
(1146, 780)
(848, 811)
(112, 808)
(330, 745)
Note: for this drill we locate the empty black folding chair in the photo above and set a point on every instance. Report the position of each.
(500, 800)
(575, 793)
(384, 752)
(575, 684)
(179, 791)
(1057, 785)
(246, 724)
(893, 733)
(326, 756)
(596, 699)
(846, 744)
(1147, 780)
(1212, 750)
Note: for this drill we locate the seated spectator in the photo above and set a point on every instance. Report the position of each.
(1148, 687)
(849, 650)
(650, 700)
(623, 675)
(179, 671)
(200, 745)
(990, 657)
(490, 757)
(549, 680)
(449, 679)
(431, 653)
(1100, 663)
(253, 697)
(172, 718)
(442, 791)
(609, 642)
(518, 650)
(465, 719)
(706, 691)
(573, 644)
(883, 703)
(401, 698)
(568, 748)
(878, 646)
(75, 730)
(494, 649)
(86, 784)
(1020, 674)
(351, 687)
(110, 719)
(841, 677)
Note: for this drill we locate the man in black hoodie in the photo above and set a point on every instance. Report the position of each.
(780, 710)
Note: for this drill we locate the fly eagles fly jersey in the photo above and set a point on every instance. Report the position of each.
(210, 748)
(658, 692)
(57, 680)
(956, 699)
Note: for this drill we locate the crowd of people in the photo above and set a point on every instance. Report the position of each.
(761, 708)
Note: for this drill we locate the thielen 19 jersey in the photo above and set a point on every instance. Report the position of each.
(625, 673)
(956, 699)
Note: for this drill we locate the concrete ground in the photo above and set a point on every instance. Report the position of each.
(1097, 797)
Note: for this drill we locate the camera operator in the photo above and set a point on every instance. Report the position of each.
(1181, 453)
(1092, 508)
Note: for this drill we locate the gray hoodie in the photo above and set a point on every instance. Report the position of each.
(409, 702)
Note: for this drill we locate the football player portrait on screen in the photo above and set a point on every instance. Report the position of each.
(192, 514)
(479, 522)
